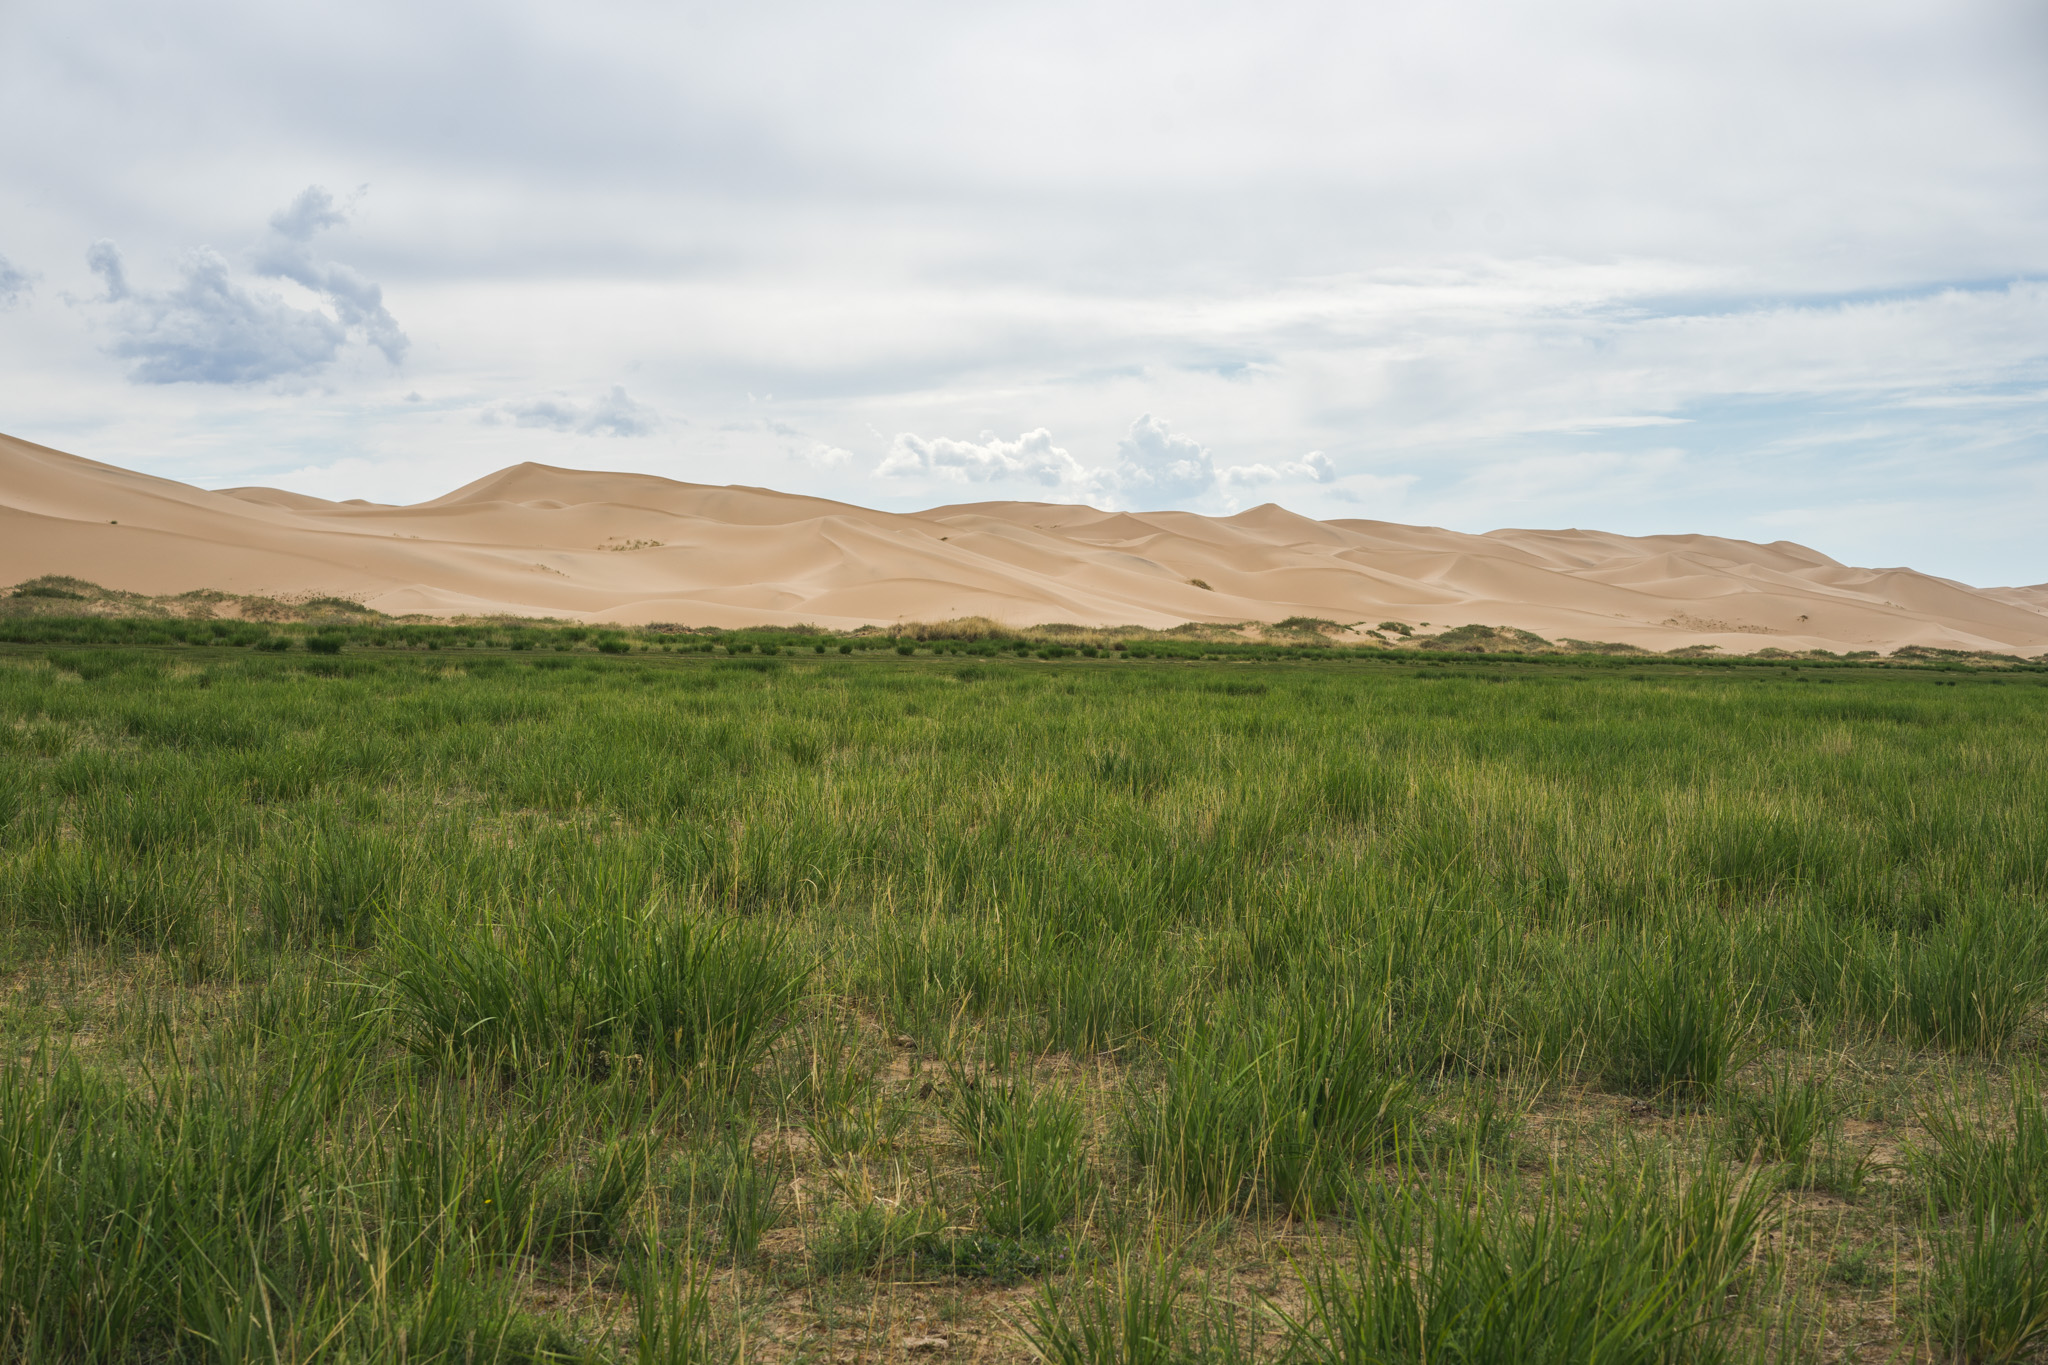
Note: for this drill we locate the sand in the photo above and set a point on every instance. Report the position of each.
(634, 549)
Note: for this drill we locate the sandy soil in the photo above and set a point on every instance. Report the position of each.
(633, 549)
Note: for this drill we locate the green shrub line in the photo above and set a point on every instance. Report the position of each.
(1466, 647)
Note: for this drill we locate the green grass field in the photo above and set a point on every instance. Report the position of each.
(515, 1003)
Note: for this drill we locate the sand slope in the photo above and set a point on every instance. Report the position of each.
(633, 548)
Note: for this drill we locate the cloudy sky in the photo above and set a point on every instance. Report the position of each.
(1764, 270)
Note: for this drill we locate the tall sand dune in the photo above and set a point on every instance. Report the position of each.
(632, 548)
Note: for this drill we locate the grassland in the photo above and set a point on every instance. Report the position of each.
(488, 998)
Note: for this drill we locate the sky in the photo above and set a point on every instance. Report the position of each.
(1757, 270)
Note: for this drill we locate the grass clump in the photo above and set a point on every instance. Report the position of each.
(135, 1220)
(741, 1190)
(674, 1322)
(1646, 1265)
(1027, 1139)
(660, 988)
(1795, 1122)
(1135, 1319)
(1973, 980)
(1674, 1021)
(1257, 1104)
(331, 885)
(1783, 1118)
(1987, 1298)
(88, 892)
(876, 1234)
(1988, 1168)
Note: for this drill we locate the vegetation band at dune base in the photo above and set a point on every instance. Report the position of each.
(492, 1003)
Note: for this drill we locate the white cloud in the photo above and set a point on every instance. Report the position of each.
(1031, 458)
(14, 283)
(1246, 475)
(1154, 465)
(614, 414)
(213, 329)
(288, 255)
(1153, 462)
(1314, 465)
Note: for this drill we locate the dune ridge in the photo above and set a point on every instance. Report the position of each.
(534, 540)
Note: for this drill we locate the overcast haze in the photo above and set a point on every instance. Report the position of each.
(1757, 270)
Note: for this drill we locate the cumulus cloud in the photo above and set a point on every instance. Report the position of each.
(209, 329)
(212, 328)
(103, 258)
(1154, 465)
(14, 283)
(1246, 475)
(1153, 460)
(615, 414)
(1315, 466)
(1032, 457)
(287, 254)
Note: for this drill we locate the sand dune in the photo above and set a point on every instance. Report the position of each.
(632, 548)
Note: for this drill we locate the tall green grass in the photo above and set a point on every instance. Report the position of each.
(1649, 1264)
(595, 987)
(457, 958)
(1028, 1140)
(222, 1211)
(1272, 1103)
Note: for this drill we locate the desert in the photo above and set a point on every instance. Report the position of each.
(633, 549)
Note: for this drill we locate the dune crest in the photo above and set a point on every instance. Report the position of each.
(634, 548)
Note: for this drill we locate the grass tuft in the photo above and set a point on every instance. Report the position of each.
(1027, 1139)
